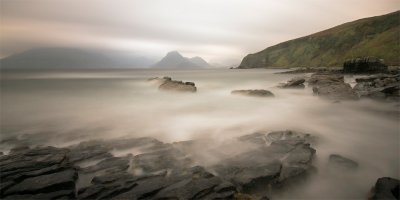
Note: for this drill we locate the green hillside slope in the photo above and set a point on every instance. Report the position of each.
(375, 37)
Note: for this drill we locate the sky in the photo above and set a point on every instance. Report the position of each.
(220, 31)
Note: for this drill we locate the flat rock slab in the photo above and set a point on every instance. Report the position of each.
(39, 173)
(341, 162)
(296, 82)
(379, 87)
(276, 158)
(332, 86)
(253, 93)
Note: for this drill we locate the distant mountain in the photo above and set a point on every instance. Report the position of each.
(174, 59)
(61, 58)
(374, 37)
(199, 61)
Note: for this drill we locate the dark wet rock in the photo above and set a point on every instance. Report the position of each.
(266, 138)
(111, 164)
(325, 78)
(296, 82)
(19, 149)
(277, 157)
(190, 183)
(167, 84)
(178, 86)
(168, 158)
(45, 183)
(129, 143)
(342, 91)
(61, 194)
(332, 86)
(341, 162)
(38, 173)
(108, 186)
(379, 87)
(364, 65)
(88, 150)
(254, 93)
(386, 188)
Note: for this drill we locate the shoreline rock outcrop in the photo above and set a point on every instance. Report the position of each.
(158, 171)
(379, 87)
(332, 86)
(364, 65)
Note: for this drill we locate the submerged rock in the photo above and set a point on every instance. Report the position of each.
(386, 188)
(296, 82)
(341, 162)
(254, 93)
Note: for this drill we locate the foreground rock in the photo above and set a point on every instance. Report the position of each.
(296, 82)
(386, 188)
(340, 162)
(332, 86)
(253, 93)
(40, 173)
(277, 158)
(167, 84)
(364, 65)
(379, 87)
(151, 169)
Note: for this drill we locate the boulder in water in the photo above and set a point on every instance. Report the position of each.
(296, 82)
(253, 93)
(386, 188)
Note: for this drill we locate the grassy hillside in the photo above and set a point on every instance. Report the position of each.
(375, 36)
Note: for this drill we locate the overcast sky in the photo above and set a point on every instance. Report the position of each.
(218, 30)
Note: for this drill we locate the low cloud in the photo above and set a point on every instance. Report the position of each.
(220, 31)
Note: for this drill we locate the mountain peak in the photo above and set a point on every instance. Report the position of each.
(174, 59)
(174, 53)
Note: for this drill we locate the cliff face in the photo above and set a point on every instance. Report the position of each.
(374, 36)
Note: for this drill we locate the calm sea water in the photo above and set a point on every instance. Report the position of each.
(61, 108)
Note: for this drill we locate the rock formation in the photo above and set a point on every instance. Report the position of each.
(386, 188)
(254, 93)
(296, 82)
(167, 84)
(379, 87)
(364, 65)
(331, 86)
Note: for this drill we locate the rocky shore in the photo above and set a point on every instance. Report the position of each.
(157, 170)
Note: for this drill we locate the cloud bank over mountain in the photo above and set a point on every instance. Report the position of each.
(219, 32)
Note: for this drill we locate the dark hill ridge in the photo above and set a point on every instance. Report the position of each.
(174, 59)
(375, 36)
(65, 58)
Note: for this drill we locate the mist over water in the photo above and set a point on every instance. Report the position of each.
(61, 108)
